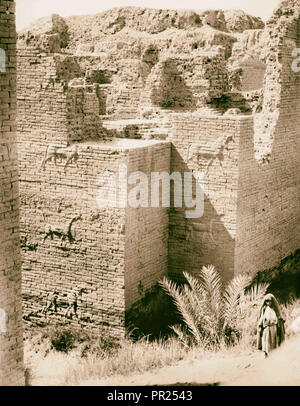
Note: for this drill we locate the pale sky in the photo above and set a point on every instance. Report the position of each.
(30, 10)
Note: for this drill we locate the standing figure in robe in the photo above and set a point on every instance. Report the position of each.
(270, 330)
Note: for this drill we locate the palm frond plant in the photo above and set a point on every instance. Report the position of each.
(189, 302)
(211, 312)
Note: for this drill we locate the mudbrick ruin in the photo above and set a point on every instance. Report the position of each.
(11, 340)
(157, 91)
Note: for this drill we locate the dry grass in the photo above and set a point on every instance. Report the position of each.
(88, 363)
(57, 368)
(291, 312)
(130, 360)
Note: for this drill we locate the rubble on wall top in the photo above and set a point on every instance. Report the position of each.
(148, 20)
(174, 60)
(53, 25)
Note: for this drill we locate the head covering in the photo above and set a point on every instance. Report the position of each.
(274, 305)
(280, 323)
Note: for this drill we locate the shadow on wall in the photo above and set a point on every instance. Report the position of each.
(102, 78)
(192, 244)
(268, 190)
(200, 241)
(152, 316)
(172, 92)
(284, 279)
(102, 97)
(268, 207)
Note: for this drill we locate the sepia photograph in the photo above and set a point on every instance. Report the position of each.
(149, 196)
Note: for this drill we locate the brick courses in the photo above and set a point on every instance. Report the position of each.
(77, 96)
(11, 339)
(104, 260)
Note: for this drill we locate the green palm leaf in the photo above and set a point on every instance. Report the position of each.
(232, 298)
(211, 313)
(183, 301)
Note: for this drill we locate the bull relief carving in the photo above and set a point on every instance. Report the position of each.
(204, 155)
(54, 152)
(201, 232)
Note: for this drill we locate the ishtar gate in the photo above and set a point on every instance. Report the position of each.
(11, 339)
(158, 91)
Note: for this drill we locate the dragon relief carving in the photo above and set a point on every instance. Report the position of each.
(64, 233)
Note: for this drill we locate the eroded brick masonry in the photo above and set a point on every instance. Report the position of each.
(11, 338)
(155, 90)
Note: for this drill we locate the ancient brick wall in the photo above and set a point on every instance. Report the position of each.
(11, 340)
(252, 77)
(186, 82)
(268, 203)
(41, 99)
(209, 145)
(251, 211)
(69, 244)
(154, 128)
(146, 244)
(182, 82)
(264, 202)
(53, 97)
(120, 85)
(83, 109)
(149, 86)
(73, 247)
(268, 198)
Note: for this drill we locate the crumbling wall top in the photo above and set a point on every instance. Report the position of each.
(49, 33)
